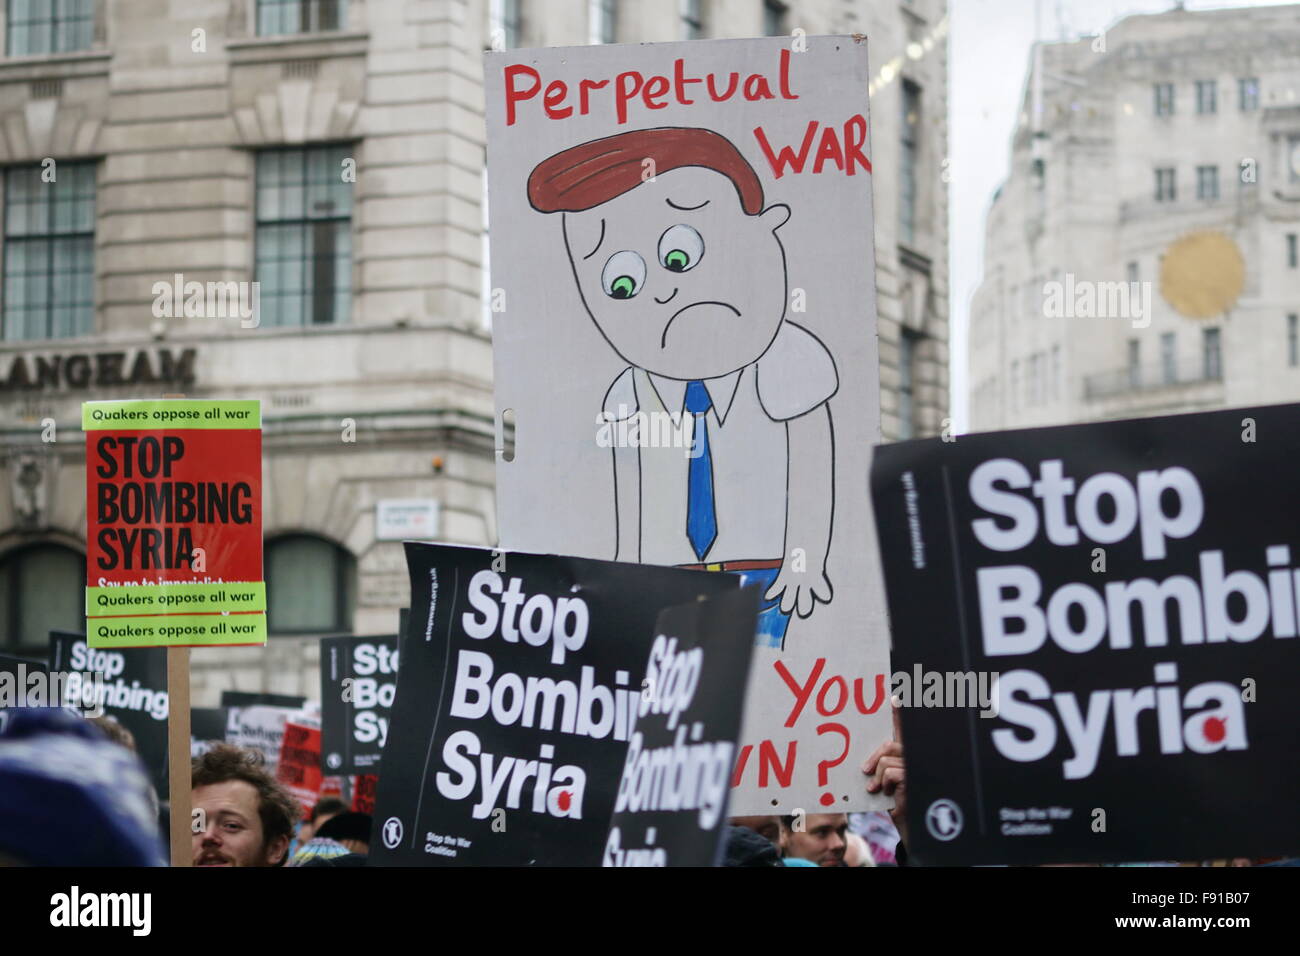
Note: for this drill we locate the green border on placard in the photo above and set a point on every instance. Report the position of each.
(161, 414)
(176, 597)
(176, 630)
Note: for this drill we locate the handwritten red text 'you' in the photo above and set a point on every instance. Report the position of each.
(829, 697)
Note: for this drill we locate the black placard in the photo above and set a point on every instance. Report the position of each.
(1132, 584)
(358, 678)
(207, 727)
(671, 808)
(240, 698)
(134, 692)
(580, 682)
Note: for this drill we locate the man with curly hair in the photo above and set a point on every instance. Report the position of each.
(247, 818)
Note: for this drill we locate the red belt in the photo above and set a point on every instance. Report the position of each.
(734, 566)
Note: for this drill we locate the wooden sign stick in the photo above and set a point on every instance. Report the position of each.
(178, 749)
(178, 754)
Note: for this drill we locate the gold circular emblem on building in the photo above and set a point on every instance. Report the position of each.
(1202, 275)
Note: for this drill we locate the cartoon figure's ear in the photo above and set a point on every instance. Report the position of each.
(776, 215)
(582, 234)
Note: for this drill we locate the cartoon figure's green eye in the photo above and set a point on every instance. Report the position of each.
(680, 248)
(623, 275)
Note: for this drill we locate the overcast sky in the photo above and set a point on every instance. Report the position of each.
(989, 59)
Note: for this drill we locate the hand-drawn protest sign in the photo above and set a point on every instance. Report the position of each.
(1133, 586)
(358, 680)
(519, 682)
(132, 689)
(685, 331)
(174, 523)
(671, 808)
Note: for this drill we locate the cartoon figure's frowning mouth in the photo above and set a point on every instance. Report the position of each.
(663, 339)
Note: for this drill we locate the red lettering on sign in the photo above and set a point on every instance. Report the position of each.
(514, 95)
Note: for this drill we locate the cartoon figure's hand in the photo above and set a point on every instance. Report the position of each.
(800, 590)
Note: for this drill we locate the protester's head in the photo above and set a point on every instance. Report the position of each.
(765, 826)
(326, 808)
(856, 851)
(69, 797)
(818, 837)
(247, 818)
(350, 829)
(115, 731)
(744, 847)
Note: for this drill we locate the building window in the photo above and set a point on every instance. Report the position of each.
(1168, 358)
(602, 16)
(692, 17)
(1056, 373)
(1293, 158)
(304, 236)
(1134, 363)
(1206, 96)
(1291, 250)
(276, 17)
(911, 152)
(42, 588)
(1207, 182)
(774, 18)
(506, 24)
(1132, 272)
(1164, 99)
(907, 349)
(1293, 340)
(309, 586)
(1212, 351)
(1166, 187)
(49, 26)
(1015, 384)
(1248, 93)
(48, 278)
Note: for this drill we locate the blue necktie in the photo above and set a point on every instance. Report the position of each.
(701, 518)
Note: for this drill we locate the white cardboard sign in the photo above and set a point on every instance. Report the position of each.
(685, 329)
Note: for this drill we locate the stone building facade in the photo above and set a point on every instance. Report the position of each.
(1141, 257)
(158, 159)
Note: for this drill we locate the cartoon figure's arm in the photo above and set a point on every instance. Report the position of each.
(620, 406)
(810, 495)
(627, 504)
(796, 378)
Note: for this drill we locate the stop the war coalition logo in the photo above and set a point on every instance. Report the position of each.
(520, 681)
(1135, 586)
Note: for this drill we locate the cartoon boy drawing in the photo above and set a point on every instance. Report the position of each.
(679, 265)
